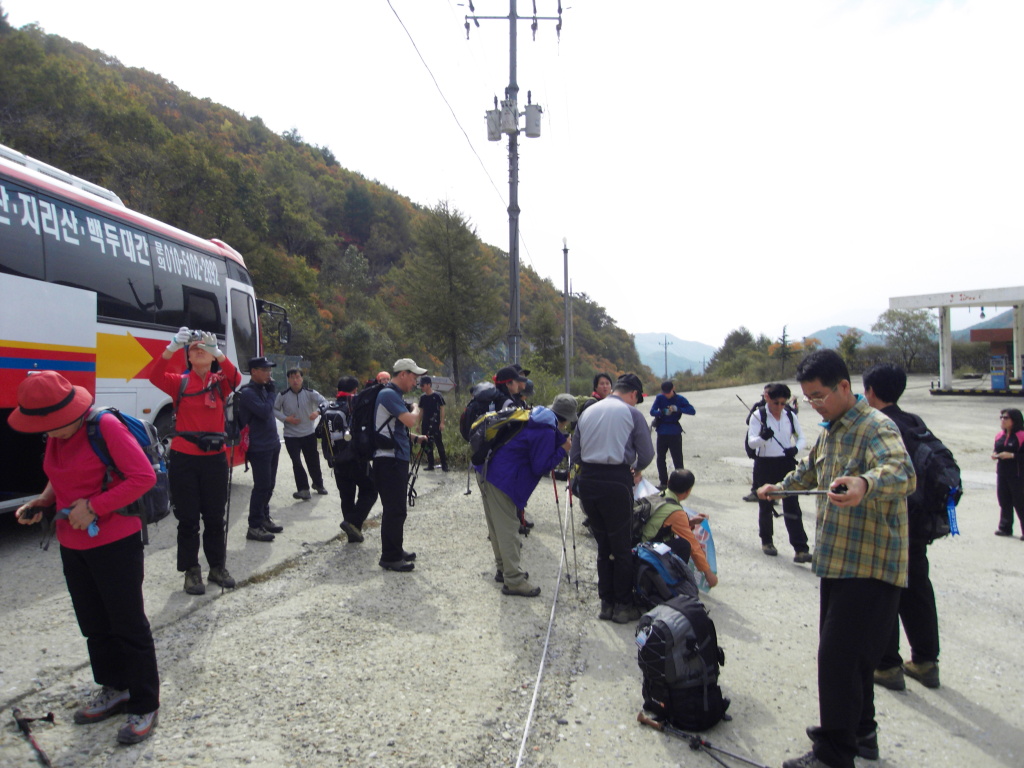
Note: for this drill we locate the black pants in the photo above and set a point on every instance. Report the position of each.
(105, 585)
(917, 611)
(264, 479)
(437, 439)
(771, 469)
(607, 491)
(199, 490)
(669, 444)
(853, 629)
(352, 478)
(391, 476)
(1010, 493)
(304, 448)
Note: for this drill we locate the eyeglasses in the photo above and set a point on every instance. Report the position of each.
(819, 400)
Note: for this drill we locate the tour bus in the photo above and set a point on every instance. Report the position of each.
(95, 291)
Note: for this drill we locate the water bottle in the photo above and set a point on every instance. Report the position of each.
(93, 530)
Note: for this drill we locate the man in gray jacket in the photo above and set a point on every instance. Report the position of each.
(299, 409)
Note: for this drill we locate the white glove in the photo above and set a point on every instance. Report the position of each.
(180, 339)
(209, 343)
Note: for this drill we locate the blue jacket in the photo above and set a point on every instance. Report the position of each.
(669, 422)
(257, 412)
(517, 467)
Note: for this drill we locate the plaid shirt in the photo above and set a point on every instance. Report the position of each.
(868, 541)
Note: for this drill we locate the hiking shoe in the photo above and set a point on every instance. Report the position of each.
(194, 581)
(925, 672)
(769, 549)
(804, 761)
(109, 701)
(1001, 532)
(408, 556)
(607, 609)
(500, 577)
(526, 589)
(138, 728)
(403, 566)
(259, 534)
(320, 490)
(752, 496)
(221, 577)
(867, 746)
(891, 679)
(802, 557)
(524, 530)
(304, 495)
(270, 525)
(625, 613)
(355, 536)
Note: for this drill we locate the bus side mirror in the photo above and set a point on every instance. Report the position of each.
(284, 331)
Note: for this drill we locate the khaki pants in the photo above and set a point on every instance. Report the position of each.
(503, 530)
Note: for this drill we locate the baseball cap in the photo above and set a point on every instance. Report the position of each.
(509, 373)
(260, 362)
(631, 381)
(407, 364)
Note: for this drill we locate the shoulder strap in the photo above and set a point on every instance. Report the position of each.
(99, 443)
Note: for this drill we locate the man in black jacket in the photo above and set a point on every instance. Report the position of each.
(256, 408)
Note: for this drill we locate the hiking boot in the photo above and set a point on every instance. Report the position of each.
(769, 549)
(109, 701)
(891, 679)
(525, 589)
(1001, 532)
(403, 566)
(355, 536)
(408, 556)
(138, 728)
(320, 490)
(752, 496)
(607, 609)
(925, 672)
(867, 746)
(194, 581)
(802, 557)
(625, 613)
(270, 525)
(258, 534)
(304, 495)
(804, 761)
(221, 577)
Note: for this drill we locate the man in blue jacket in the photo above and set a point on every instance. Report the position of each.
(513, 472)
(256, 409)
(668, 408)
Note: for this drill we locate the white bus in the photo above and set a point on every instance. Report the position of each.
(94, 290)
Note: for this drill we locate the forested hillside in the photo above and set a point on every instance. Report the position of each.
(366, 274)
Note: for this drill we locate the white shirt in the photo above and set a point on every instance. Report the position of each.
(785, 435)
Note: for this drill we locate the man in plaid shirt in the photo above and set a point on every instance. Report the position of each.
(860, 553)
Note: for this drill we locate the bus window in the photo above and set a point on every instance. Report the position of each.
(88, 251)
(243, 326)
(187, 281)
(236, 272)
(21, 244)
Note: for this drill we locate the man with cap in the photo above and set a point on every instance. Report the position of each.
(612, 447)
(392, 421)
(298, 408)
(513, 472)
(432, 407)
(256, 410)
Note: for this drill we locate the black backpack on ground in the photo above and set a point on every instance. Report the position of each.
(679, 657)
(660, 573)
(939, 487)
(366, 438)
(762, 415)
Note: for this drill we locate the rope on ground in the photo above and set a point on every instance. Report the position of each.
(540, 670)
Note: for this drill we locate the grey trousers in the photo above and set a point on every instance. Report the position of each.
(503, 531)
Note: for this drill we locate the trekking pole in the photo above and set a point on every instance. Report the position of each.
(696, 742)
(23, 725)
(561, 526)
(572, 525)
(741, 400)
(227, 508)
(412, 477)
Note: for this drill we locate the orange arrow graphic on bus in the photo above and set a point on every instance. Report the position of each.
(120, 356)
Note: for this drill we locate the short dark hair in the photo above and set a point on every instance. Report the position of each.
(348, 384)
(825, 365)
(667, 386)
(680, 481)
(600, 376)
(1015, 417)
(778, 390)
(293, 370)
(886, 380)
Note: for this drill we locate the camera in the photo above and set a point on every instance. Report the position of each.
(195, 336)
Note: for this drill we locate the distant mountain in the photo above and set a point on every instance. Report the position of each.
(1002, 320)
(829, 337)
(682, 355)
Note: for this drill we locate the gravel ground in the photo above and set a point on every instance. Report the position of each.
(320, 658)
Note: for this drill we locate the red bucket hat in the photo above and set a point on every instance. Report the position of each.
(48, 401)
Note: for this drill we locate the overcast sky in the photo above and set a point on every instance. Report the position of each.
(712, 164)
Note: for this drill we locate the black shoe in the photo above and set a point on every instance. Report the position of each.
(408, 556)
(769, 549)
(302, 495)
(270, 525)
(258, 534)
(524, 530)
(1001, 532)
(221, 577)
(403, 566)
(194, 581)
(607, 608)
(802, 557)
(355, 536)
(320, 490)
(752, 496)
(867, 746)
(625, 613)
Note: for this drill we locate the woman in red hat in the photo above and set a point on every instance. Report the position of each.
(197, 464)
(103, 564)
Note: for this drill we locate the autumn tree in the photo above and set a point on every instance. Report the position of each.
(907, 332)
(849, 343)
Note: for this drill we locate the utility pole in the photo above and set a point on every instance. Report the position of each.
(666, 344)
(506, 120)
(568, 320)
